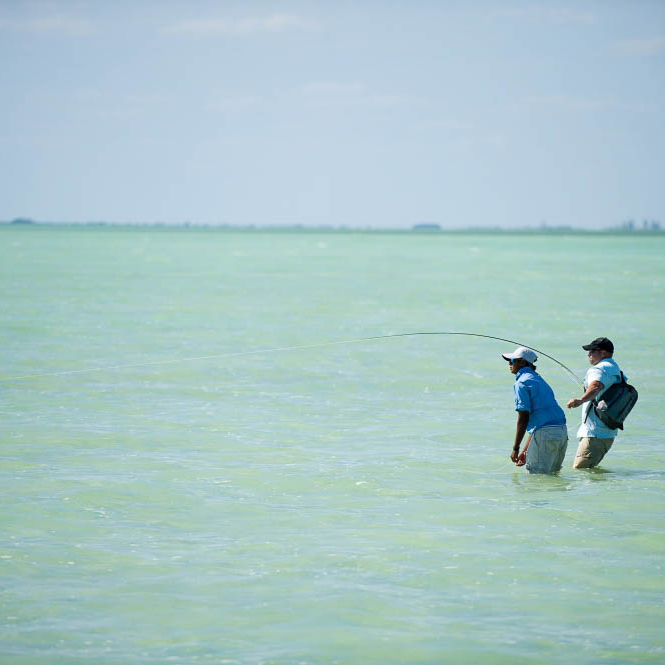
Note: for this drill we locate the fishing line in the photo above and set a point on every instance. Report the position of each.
(283, 349)
(502, 339)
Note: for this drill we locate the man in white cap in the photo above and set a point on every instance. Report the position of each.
(538, 414)
(594, 436)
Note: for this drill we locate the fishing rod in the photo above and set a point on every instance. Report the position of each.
(281, 349)
(502, 339)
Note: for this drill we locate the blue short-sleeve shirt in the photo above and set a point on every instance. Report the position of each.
(533, 394)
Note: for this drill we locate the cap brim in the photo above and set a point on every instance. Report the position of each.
(507, 356)
(589, 347)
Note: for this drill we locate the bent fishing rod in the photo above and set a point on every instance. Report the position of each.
(502, 339)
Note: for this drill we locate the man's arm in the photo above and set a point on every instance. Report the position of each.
(594, 388)
(520, 430)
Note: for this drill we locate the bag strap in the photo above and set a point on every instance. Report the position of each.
(588, 411)
(594, 401)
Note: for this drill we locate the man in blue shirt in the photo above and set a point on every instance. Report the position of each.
(538, 414)
(594, 436)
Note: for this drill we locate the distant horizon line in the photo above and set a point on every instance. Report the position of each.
(629, 226)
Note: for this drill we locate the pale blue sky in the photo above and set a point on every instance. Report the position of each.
(379, 114)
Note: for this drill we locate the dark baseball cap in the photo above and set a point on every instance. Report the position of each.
(599, 344)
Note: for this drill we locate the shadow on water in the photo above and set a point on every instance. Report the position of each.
(573, 479)
(598, 473)
(541, 482)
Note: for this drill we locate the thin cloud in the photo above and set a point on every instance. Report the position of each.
(564, 16)
(586, 105)
(58, 24)
(92, 95)
(330, 89)
(566, 102)
(314, 95)
(354, 94)
(642, 46)
(87, 96)
(240, 103)
(274, 23)
(549, 15)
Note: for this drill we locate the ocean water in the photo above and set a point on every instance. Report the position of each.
(201, 465)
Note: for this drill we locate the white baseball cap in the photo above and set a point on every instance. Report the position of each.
(521, 352)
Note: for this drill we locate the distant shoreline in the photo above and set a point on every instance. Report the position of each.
(417, 229)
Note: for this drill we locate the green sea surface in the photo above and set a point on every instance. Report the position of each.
(200, 464)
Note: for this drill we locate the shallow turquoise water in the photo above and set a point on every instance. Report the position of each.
(344, 503)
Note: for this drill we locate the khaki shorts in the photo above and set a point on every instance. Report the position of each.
(547, 449)
(590, 451)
